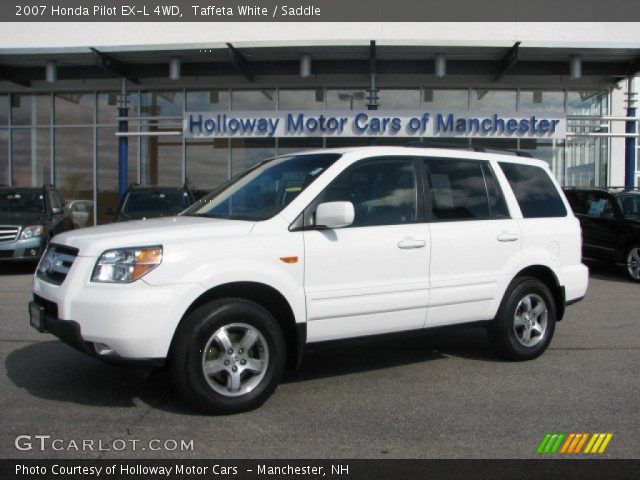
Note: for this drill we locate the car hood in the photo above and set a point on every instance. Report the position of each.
(94, 241)
(22, 218)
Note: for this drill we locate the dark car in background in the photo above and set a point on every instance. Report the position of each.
(610, 219)
(140, 202)
(29, 217)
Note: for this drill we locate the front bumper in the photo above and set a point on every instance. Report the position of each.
(21, 250)
(70, 333)
(136, 320)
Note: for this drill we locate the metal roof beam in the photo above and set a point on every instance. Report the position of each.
(239, 63)
(508, 61)
(372, 57)
(634, 68)
(111, 65)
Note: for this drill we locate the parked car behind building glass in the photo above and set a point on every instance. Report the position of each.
(141, 202)
(81, 212)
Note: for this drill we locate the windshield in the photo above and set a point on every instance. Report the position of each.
(630, 205)
(169, 201)
(264, 190)
(20, 201)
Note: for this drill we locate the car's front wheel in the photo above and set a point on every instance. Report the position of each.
(526, 320)
(633, 263)
(228, 356)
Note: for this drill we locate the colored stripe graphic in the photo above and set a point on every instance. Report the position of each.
(598, 442)
(565, 447)
(543, 443)
(581, 443)
(573, 443)
(556, 446)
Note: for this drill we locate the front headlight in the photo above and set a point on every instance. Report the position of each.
(126, 265)
(31, 231)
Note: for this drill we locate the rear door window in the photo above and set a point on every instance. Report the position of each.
(497, 203)
(537, 195)
(460, 190)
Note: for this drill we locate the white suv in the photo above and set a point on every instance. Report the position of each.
(319, 246)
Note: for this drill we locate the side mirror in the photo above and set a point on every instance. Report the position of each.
(110, 211)
(57, 210)
(335, 214)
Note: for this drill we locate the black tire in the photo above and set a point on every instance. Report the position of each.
(627, 259)
(506, 337)
(193, 336)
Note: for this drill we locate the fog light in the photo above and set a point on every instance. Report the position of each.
(33, 252)
(104, 350)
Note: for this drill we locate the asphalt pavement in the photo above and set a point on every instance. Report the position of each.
(438, 394)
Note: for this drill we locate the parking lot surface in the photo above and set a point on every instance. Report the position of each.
(433, 394)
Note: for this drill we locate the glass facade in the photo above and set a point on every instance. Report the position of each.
(69, 138)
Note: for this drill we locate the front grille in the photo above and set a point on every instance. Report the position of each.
(50, 308)
(8, 233)
(56, 263)
(6, 253)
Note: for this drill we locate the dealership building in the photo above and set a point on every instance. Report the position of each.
(90, 107)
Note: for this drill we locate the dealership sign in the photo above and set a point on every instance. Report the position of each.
(372, 123)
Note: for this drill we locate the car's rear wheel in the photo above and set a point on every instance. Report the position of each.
(633, 263)
(228, 356)
(525, 322)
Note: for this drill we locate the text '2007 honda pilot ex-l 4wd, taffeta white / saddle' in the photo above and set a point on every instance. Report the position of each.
(318, 246)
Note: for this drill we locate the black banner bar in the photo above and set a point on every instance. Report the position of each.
(319, 11)
(583, 469)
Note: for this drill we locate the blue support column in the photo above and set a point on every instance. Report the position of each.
(630, 151)
(372, 93)
(123, 150)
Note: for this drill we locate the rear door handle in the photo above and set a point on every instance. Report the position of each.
(508, 237)
(409, 243)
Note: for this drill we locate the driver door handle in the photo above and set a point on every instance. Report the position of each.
(508, 237)
(409, 243)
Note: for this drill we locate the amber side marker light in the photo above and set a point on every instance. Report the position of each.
(289, 259)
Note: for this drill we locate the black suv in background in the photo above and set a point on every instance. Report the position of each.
(140, 202)
(610, 219)
(29, 217)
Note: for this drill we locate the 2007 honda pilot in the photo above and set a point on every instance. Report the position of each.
(319, 246)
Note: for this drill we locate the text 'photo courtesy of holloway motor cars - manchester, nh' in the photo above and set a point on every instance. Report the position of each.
(342, 240)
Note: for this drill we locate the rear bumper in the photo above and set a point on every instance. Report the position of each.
(574, 279)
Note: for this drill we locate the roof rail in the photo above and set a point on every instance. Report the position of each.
(593, 187)
(473, 148)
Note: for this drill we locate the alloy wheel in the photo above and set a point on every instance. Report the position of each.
(235, 359)
(530, 320)
(633, 263)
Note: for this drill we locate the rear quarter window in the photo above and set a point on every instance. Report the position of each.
(537, 195)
